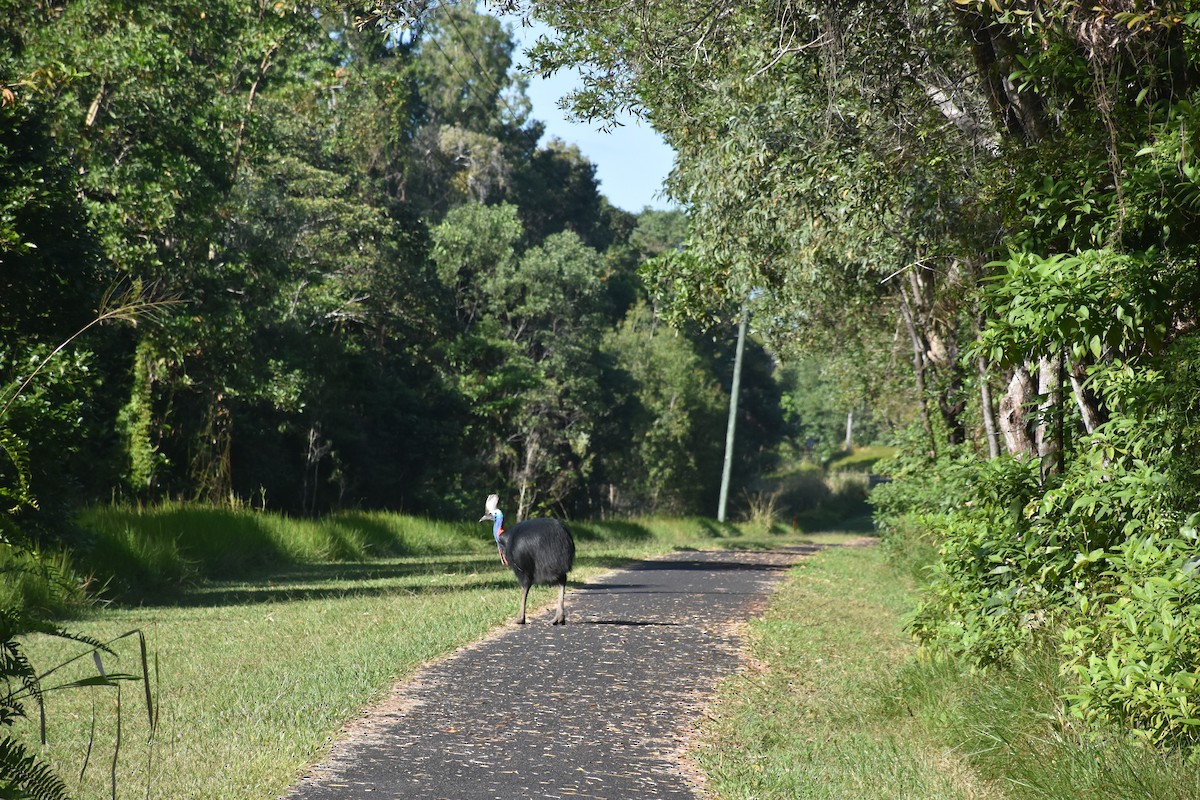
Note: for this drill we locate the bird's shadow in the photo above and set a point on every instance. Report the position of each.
(626, 623)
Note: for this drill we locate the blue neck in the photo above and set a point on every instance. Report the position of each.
(497, 524)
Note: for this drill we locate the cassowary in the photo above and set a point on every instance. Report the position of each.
(538, 551)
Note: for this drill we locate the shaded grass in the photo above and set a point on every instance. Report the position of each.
(807, 498)
(152, 555)
(1011, 724)
(256, 675)
(860, 459)
(144, 554)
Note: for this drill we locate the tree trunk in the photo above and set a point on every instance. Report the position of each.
(989, 411)
(1014, 423)
(525, 477)
(951, 401)
(938, 349)
(1090, 408)
(1050, 431)
(1019, 113)
(918, 371)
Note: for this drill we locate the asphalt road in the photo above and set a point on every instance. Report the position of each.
(602, 707)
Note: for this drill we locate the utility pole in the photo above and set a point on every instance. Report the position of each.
(733, 405)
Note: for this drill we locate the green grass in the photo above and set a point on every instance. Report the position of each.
(841, 705)
(861, 459)
(810, 499)
(813, 719)
(147, 554)
(255, 674)
(1011, 723)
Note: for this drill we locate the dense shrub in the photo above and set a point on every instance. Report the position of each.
(1098, 563)
(1135, 648)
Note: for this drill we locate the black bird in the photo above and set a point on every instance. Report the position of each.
(537, 550)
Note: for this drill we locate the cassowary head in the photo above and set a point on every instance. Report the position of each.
(491, 508)
(492, 513)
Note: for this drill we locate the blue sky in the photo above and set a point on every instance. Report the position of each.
(631, 160)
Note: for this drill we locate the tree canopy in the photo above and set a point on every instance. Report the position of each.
(378, 285)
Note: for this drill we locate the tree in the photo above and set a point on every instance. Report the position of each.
(815, 173)
(671, 460)
(474, 123)
(532, 324)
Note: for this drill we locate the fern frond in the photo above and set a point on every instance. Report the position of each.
(23, 774)
(15, 494)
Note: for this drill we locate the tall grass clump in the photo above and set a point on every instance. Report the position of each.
(1014, 730)
(153, 553)
(810, 498)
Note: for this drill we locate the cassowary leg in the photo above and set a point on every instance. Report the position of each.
(561, 617)
(520, 620)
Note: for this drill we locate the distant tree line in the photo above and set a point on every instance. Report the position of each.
(376, 287)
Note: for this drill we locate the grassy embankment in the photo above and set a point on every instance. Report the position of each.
(840, 706)
(263, 647)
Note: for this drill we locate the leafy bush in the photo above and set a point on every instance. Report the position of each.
(1136, 656)
(920, 485)
(996, 582)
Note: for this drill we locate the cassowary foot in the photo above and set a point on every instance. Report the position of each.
(561, 620)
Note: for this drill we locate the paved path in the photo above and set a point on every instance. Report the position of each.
(598, 708)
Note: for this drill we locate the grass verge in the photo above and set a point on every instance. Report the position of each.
(814, 717)
(839, 704)
(1011, 723)
(255, 675)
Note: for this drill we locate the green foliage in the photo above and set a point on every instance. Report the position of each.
(1133, 651)
(388, 293)
(1094, 563)
(674, 461)
(996, 581)
(43, 584)
(1096, 304)
(25, 775)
